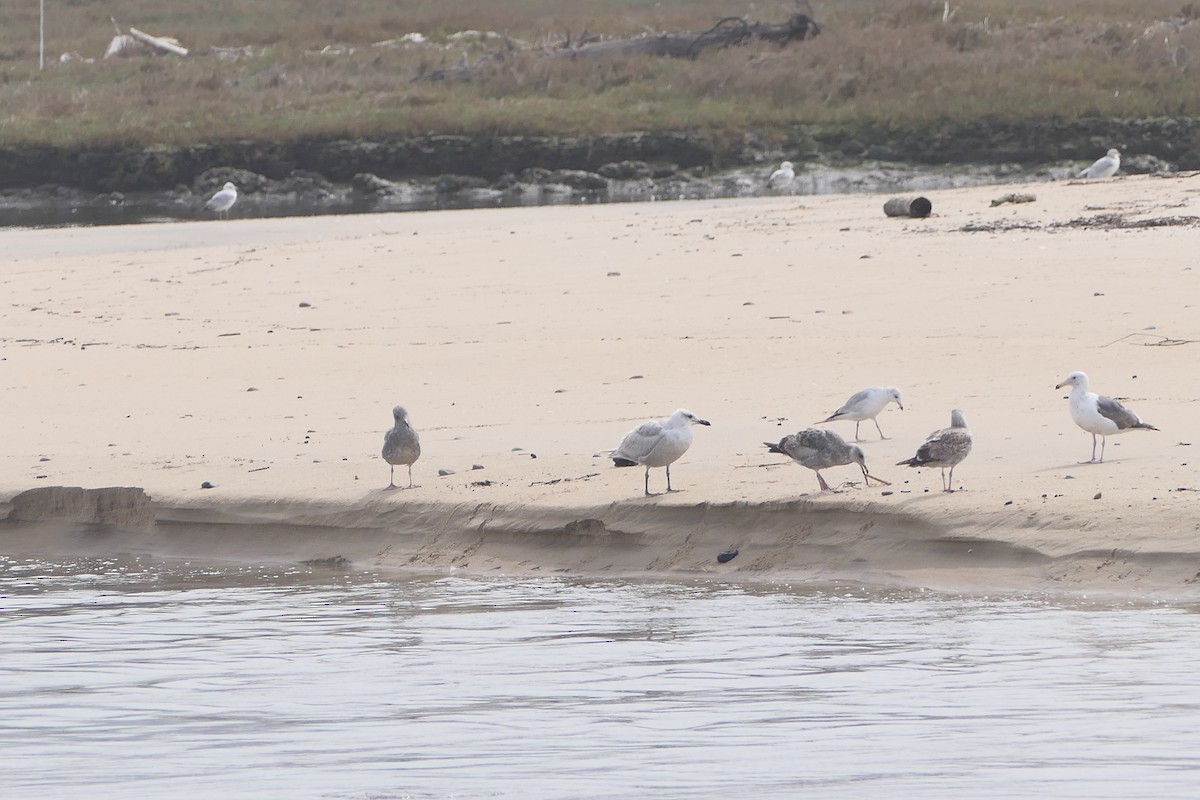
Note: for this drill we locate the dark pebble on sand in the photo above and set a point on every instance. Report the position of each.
(305, 305)
(207, 485)
(727, 556)
(444, 472)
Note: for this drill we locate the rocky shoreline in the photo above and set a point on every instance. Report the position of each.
(46, 185)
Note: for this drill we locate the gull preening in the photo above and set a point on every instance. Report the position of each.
(1104, 167)
(658, 443)
(223, 200)
(1098, 414)
(944, 448)
(401, 445)
(782, 178)
(820, 449)
(866, 405)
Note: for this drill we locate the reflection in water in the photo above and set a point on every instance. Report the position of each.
(147, 679)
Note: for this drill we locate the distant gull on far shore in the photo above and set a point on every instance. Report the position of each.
(866, 405)
(1098, 414)
(658, 443)
(782, 178)
(944, 448)
(401, 446)
(1104, 167)
(820, 449)
(223, 200)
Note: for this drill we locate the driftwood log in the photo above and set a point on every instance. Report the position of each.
(728, 32)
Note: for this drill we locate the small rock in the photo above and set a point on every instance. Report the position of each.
(1008, 502)
(477, 466)
(444, 472)
(1096, 496)
(207, 485)
(304, 304)
(727, 556)
(886, 492)
(614, 275)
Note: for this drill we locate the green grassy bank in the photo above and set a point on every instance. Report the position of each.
(310, 69)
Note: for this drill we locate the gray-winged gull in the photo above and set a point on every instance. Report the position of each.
(944, 448)
(1104, 167)
(658, 443)
(1098, 414)
(401, 445)
(866, 405)
(223, 200)
(820, 449)
(782, 178)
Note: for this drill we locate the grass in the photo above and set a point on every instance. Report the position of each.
(878, 62)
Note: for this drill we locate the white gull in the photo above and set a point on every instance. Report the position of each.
(658, 443)
(1098, 414)
(866, 405)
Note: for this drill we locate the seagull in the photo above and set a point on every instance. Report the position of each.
(944, 448)
(782, 178)
(1105, 167)
(820, 449)
(1098, 414)
(401, 445)
(223, 200)
(658, 443)
(866, 405)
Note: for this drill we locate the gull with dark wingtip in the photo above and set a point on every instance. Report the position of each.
(943, 448)
(658, 443)
(866, 404)
(820, 449)
(1098, 414)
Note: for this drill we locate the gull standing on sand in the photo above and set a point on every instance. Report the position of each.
(944, 448)
(820, 449)
(782, 178)
(1105, 167)
(658, 443)
(401, 445)
(1098, 414)
(223, 200)
(866, 405)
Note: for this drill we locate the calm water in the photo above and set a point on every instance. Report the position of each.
(144, 679)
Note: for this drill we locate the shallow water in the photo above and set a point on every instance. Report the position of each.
(140, 678)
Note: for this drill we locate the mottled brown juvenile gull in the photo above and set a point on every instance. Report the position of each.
(401, 445)
(1098, 414)
(1104, 167)
(866, 405)
(820, 449)
(944, 448)
(223, 200)
(658, 443)
(782, 178)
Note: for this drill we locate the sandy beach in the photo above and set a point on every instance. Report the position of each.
(264, 357)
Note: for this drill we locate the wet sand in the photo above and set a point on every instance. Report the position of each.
(264, 358)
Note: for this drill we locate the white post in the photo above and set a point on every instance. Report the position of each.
(42, 34)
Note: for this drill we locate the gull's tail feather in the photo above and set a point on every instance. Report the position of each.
(623, 462)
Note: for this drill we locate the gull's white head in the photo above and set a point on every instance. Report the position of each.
(400, 414)
(787, 165)
(957, 420)
(1114, 154)
(682, 416)
(228, 187)
(894, 396)
(1073, 380)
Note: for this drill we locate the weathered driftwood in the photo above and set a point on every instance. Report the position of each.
(728, 32)
(162, 43)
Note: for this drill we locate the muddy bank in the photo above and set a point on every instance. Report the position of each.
(799, 540)
(132, 169)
